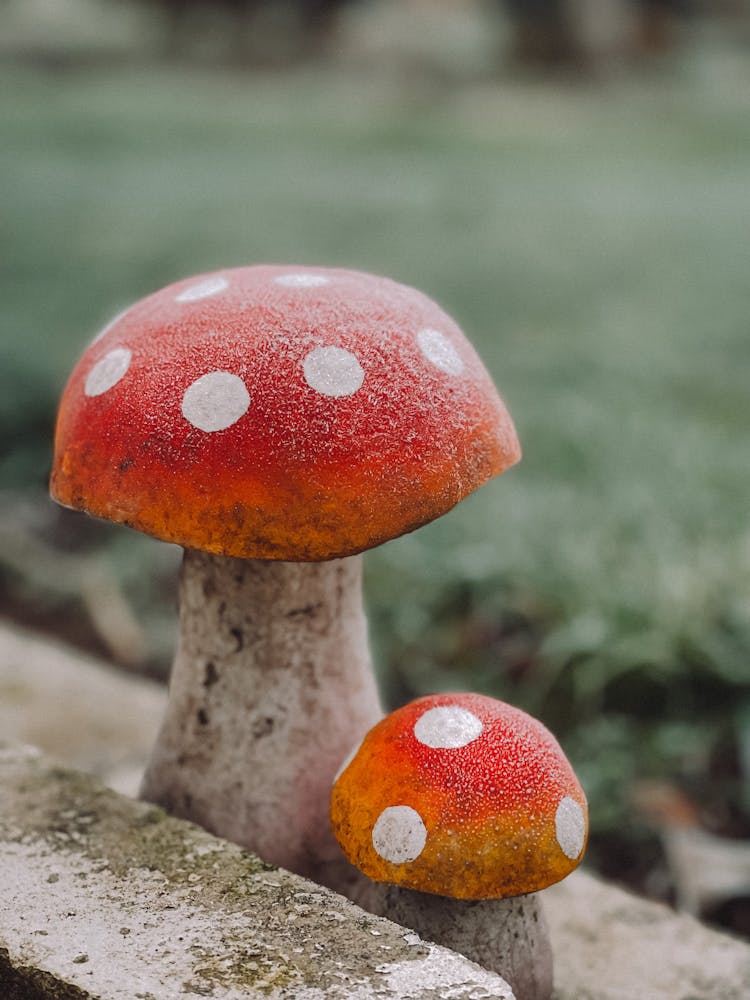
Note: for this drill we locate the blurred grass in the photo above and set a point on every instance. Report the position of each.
(593, 242)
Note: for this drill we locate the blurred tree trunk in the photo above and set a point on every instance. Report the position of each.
(657, 23)
(180, 14)
(545, 33)
(318, 21)
(560, 33)
(311, 23)
(176, 15)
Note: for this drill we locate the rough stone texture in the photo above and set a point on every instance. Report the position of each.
(270, 689)
(507, 936)
(76, 709)
(610, 945)
(108, 898)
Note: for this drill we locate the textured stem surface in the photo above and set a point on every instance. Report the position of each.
(271, 688)
(507, 936)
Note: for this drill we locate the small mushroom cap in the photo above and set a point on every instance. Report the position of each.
(463, 796)
(279, 413)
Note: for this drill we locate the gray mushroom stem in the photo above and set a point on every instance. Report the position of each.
(271, 687)
(507, 936)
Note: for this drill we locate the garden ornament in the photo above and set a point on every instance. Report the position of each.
(275, 422)
(461, 808)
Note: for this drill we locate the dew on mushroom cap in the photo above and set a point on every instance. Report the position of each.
(203, 289)
(108, 371)
(335, 381)
(447, 727)
(399, 834)
(504, 810)
(215, 401)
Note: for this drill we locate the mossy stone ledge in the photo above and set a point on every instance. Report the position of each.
(109, 898)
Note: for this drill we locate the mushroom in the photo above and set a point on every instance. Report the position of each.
(275, 422)
(461, 808)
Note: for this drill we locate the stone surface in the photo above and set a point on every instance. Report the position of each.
(76, 709)
(506, 936)
(270, 688)
(108, 898)
(608, 944)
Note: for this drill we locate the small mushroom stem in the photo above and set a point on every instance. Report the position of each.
(271, 687)
(507, 936)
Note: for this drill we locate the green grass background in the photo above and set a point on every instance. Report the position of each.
(592, 241)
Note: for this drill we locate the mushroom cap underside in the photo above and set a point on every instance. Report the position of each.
(462, 796)
(281, 413)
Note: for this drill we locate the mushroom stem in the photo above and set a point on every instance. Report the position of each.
(507, 936)
(270, 688)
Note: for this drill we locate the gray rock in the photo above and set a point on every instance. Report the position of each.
(108, 898)
(78, 710)
(611, 945)
(608, 944)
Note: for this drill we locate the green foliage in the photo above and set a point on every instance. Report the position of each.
(594, 247)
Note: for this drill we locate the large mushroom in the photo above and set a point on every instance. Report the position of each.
(275, 422)
(461, 808)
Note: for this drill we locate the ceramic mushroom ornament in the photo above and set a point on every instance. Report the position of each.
(456, 799)
(275, 422)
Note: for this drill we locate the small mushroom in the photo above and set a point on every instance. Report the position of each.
(275, 422)
(461, 808)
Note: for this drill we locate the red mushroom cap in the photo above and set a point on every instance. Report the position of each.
(279, 413)
(463, 796)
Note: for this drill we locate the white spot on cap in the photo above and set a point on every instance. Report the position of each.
(333, 371)
(447, 727)
(215, 401)
(203, 289)
(440, 351)
(570, 827)
(349, 758)
(107, 371)
(301, 280)
(399, 835)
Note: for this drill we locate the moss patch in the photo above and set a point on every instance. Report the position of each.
(71, 812)
(160, 891)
